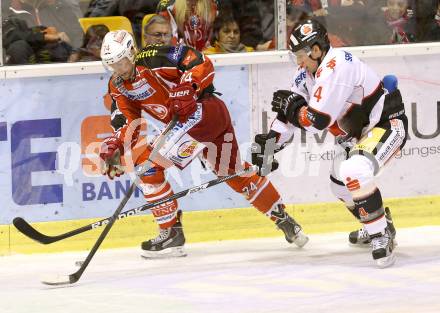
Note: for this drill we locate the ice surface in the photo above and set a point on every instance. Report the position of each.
(261, 275)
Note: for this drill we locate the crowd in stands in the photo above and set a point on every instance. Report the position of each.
(45, 31)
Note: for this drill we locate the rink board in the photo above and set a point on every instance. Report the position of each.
(218, 225)
(47, 124)
(44, 181)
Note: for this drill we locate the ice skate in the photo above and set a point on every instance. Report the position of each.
(383, 248)
(169, 243)
(362, 239)
(291, 229)
(359, 238)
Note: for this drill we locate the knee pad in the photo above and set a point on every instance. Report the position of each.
(357, 173)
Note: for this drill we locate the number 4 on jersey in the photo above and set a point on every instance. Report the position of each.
(317, 93)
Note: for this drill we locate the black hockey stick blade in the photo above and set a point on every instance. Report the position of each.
(60, 280)
(26, 229)
(31, 232)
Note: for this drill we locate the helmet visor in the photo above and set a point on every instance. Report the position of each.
(301, 55)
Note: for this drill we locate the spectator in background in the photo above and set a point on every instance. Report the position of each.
(347, 21)
(226, 36)
(249, 22)
(91, 47)
(53, 14)
(428, 20)
(134, 10)
(31, 45)
(267, 13)
(100, 8)
(158, 31)
(294, 15)
(399, 18)
(311, 7)
(372, 27)
(434, 30)
(191, 20)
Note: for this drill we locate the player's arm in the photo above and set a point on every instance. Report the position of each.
(126, 131)
(197, 69)
(285, 103)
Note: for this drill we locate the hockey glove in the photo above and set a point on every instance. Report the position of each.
(182, 101)
(110, 154)
(263, 150)
(287, 104)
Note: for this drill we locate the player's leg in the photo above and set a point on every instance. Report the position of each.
(261, 193)
(359, 237)
(223, 156)
(357, 173)
(171, 238)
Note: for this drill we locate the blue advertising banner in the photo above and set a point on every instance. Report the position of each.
(50, 130)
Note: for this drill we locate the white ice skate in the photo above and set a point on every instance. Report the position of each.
(383, 248)
(361, 238)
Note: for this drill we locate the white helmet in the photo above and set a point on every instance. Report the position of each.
(117, 45)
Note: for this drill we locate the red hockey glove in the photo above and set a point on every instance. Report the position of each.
(110, 153)
(182, 101)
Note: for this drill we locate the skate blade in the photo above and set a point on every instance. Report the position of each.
(301, 240)
(386, 261)
(174, 252)
(360, 245)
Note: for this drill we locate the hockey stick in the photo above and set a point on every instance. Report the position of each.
(73, 278)
(25, 228)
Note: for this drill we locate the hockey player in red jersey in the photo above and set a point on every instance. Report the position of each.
(177, 80)
(334, 90)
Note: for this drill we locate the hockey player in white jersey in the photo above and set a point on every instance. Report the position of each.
(334, 90)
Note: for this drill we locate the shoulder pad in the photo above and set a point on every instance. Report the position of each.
(154, 56)
(338, 60)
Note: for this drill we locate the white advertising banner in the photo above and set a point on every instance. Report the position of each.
(48, 159)
(304, 165)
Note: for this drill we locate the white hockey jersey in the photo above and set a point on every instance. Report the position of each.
(341, 80)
